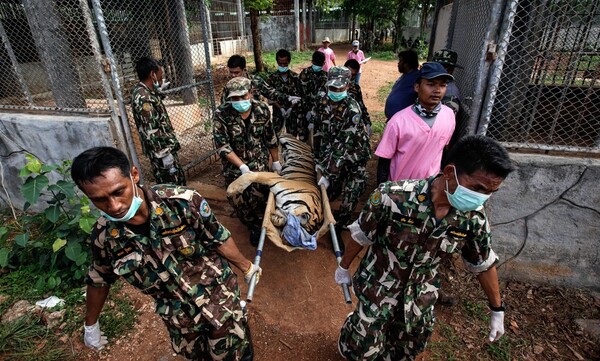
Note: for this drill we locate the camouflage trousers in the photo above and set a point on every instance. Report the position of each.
(163, 175)
(250, 205)
(203, 342)
(371, 333)
(350, 184)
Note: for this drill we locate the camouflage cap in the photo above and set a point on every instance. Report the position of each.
(446, 57)
(338, 76)
(238, 86)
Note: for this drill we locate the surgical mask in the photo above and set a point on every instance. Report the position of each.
(337, 96)
(283, 69)
(465, 199)
(317, 68)
(241, 106)
(136, 202)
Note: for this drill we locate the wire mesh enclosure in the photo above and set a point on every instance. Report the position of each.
(549, 94)
(80, 55)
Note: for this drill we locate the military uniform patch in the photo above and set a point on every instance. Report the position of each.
(187, 251)
(114, 232)
(356, 119)
(158, 211)
(422, 197)
(147, 107)
(375, 199)
(205, 209)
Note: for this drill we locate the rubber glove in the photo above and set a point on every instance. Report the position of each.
(276, 167)
(244, 168)
(251, 271)
(93, 338)
(324, 182)
(496, 326)
(342, 276)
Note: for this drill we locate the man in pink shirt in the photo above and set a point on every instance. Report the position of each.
(359, 56)
(415, 137)
(329, 55)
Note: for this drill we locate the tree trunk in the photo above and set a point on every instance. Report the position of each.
(256, 41)
(181, 51)
(55, 53)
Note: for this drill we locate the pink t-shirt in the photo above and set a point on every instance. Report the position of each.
(359, 56)
(329, 58)
(414, 148)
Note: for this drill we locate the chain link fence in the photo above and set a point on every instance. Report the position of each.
(548, 96)
(79, 56)
(531, 76)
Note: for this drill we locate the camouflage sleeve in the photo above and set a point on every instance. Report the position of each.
(155, 130)
(100, 272)
(220, 134)
(224, 94)
(211, 234)
(363, 108)
(270, 138)
(372, 218)
(477, 252)
(268, 91)
(345, 149)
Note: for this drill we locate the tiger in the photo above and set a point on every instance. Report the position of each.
(295, 188)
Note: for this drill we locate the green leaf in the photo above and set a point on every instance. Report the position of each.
(73, 251)
(58, 244)
(22, 239)
(34, 165)
(65, 187)
(3, 232)
(51, 282)
(40, 285)
(4, 252)
(52, 213)
(33, 186)
(82, 259)
(24, 172)
(49, 167)
(86, 223)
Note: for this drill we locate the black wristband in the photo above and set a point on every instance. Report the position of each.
(502, 307)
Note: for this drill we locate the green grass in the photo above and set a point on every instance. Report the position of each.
(28, 339)
(445, 350)
(384, 91)
(378, 122)
(476, 310)
(299, 58)
(386, 55)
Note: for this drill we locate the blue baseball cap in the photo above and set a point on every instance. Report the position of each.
(432, 70)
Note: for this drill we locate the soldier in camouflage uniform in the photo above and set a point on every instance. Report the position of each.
(285, 81)
(355, 92)
(157, 136)
(312, 81)
(410, 226)
(166, 242)
(237, 68)
(244, 137)
(344, 144)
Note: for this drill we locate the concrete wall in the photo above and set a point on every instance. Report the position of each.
(52, 138)
(441, 33)
(276, 32)
(551, 208)
(335, 35)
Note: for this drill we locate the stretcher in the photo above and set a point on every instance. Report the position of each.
(266, 231)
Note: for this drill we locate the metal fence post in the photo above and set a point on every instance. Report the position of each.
(205, 25)
(452, 25)
(124, 124)
(297, 23)
(496, 71)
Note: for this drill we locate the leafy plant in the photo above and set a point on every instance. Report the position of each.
(50, 244)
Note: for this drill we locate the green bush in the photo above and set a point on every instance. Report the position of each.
(49, 244)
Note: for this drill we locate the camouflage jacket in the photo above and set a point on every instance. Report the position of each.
(260, 87)
(291, 86)
(345, 141)
(177, 264)
(312, 87)
(407, 244)
(152, 121)
(355, 92)
(249, 139)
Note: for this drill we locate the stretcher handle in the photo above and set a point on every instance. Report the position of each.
(259, 249)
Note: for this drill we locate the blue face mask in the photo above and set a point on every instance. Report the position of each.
(136, 202)
(465, 199)
(337, 96)
(242, 106)
(317, 68)
(283, 69)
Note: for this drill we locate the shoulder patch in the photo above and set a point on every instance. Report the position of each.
(147, 107)
(356, 119)
(375, 199)
(205, 209)
(187, 251)
(422, 197)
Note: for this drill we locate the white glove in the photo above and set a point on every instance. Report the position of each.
(311, 126)
(310, 115)
(93, 338)
(294, 99)
(369, 131)
(496, 326)
(324, 182)
(276, 167)
(286, 112)
(164, 85)
(342, 276)
(244, 168)
(251, 271)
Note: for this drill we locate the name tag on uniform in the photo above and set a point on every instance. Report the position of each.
(172, 231)
(411, 221)
(459, 233)
(124, 252)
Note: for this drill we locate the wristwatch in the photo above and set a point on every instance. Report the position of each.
(501, 308)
